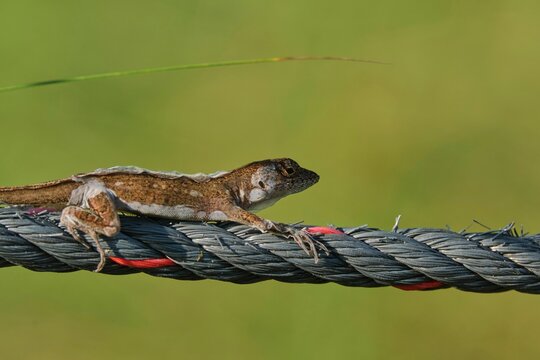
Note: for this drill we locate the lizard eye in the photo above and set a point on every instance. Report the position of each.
(286, 170)
(261, 184)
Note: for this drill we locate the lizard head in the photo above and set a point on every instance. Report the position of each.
(267, 181)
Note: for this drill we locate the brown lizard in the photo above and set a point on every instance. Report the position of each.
(90, 202)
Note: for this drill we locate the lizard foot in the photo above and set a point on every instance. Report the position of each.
(303, 238)
(75, 234)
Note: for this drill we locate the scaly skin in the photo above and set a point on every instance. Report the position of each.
(90, 201)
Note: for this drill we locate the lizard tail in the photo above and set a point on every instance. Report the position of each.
(52, 195)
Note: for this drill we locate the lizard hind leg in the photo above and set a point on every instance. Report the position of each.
(92, 210)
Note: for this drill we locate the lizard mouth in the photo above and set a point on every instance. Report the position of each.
(304, 180)
(313, 177)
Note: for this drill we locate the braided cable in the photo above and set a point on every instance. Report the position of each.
(410, 259)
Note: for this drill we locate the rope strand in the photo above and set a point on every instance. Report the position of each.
(409, 259)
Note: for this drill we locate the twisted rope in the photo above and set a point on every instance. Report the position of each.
(410, 259)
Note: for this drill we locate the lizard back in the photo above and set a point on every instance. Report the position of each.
(128, 182)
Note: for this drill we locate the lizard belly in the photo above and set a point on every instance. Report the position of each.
(179, 212)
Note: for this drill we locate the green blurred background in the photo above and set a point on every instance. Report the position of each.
(446, 134)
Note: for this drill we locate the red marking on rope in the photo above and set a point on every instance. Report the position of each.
(143, 264)
(323, 230)
(422, 286)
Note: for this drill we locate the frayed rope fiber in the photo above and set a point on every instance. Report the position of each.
(409, 259)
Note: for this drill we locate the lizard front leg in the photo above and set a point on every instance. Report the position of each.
(91, 209)
(300, 236)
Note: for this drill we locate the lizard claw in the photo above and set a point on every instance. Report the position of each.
(303, 238)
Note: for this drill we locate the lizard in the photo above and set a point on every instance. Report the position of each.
(90, 202)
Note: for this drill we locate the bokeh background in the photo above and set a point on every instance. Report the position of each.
(446, 134)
